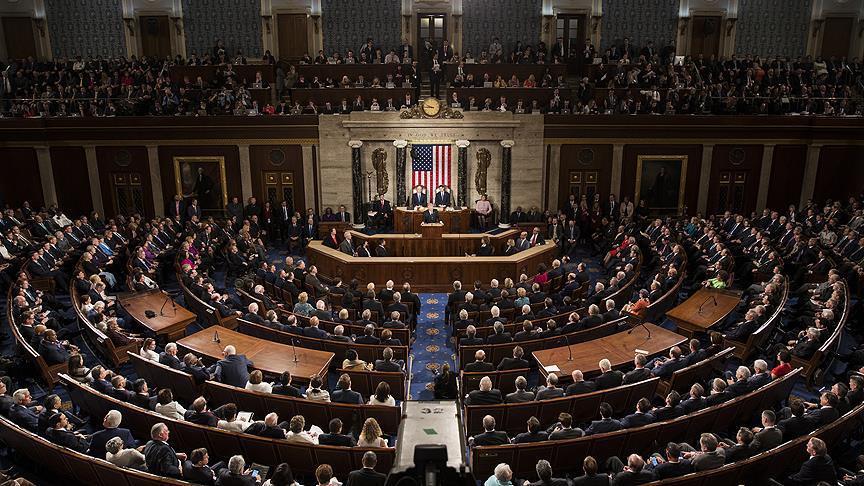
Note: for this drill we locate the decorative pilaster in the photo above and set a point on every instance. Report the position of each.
(462, 173)
(401, 159)
(617, 168)
(93, 174)
(506, 162)
(811, 168)
(357, 182)
(765, 176)
(704, 178)
(155, 180)
(246, 190)
(46, 175)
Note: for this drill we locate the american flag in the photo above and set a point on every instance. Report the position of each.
(430, 166)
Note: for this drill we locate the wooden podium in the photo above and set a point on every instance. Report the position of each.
(431, 230)
(408, 220)
(702, 310)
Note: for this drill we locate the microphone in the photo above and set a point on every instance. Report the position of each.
(294, 349)
(162, 309)
(715, 300)
(216, 336)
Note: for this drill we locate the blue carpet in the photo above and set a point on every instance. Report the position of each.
(431, 349)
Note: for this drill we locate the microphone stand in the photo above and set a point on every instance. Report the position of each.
(705, 302)
(569, 352)
(216, 336)
(638, 322)
(294, 349)
(162, 309)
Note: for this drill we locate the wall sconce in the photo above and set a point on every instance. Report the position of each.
(547, 23)
(683, 22)
(130, 25)
(316, 19)
(730, 24)
(817, 26)
(178, 24)
(39, 23)
(266, 19)
(595, 23)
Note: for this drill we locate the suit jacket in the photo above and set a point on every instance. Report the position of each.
(161, 459)
(637, 420)
(519, 397)
(233, 370)
(815, 469)
(636, 375)
(513, 364)
(172, 361)
(766, 439)
(336, 440)
(227, 478)
(346, 396)
(603, 425)
(197, 475)
(496, 437)
(610, 379)
(629, 477)
(431, 217)
(527, 437)
(384, 365)
(479, 366)
(479, 397)
(25, 417)
(544, 393)
(709, 460)
(366, 477)
(580, 387)
(794, 427)
(563, 434)
(598, 479)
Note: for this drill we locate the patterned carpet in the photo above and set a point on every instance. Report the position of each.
(431, 349)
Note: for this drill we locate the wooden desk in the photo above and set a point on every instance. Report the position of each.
(408, 220)
(267, 356)
(699, 313)
(444, 245)
(324, 228)
(432, 230)
(428, 273)
(171, 325)
(618, 348)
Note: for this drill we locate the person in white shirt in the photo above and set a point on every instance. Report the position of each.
(148, 350)
(256, 383)
(231, 421)
(168, 407)
(382, 396)
(297, 434)
(124, 457)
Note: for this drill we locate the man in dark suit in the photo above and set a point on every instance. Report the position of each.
(673, 466)
(485, 395)
(490, 436)
(564, 429)
(196, 469)
(367, 476)
(499, 335)
(232, 369)
(796, 425)
(664, 368)
(344, 393)
(193, 210)
(58, 433)
(819, 467)
(516, 362)
(431, 214)
(642, 415)
(633, 473)
(741, 331)
(111, 429)
(606, 422)
(826, 412)
(387, 364)
(313, 330)
(169, 357)
(442, 197)
(336, 437)
(177, 208)
(418, 198)
(284, 386)
(639, 373)
(608, 378)
(767, 437)
(160, 457)
(479, 364)
(551, 390)
(521, 395)
(579, 385)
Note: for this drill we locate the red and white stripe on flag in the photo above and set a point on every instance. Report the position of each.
(430, 165)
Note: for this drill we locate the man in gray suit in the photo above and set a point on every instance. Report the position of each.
(767, 437)
(551, 390)
(564, 428)
(710, 456)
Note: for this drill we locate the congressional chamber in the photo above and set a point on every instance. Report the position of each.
(432, 243)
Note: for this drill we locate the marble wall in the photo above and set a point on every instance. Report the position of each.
(483, 130)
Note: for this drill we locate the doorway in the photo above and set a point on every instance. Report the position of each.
(293, 41)
(836, 38)
(155, 36)
(431, 32)
(19, 36)
(705, 35)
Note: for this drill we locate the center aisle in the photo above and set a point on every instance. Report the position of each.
(432, 347)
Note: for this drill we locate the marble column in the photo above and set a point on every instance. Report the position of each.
(704, 178)
(46, 175)
(357, 182)
(401, 159)
(245, 173)
(155, 180)
(811, 168)
(617, 168)
(506, 161)
(93, 174)
(765, 176)
(462, 173)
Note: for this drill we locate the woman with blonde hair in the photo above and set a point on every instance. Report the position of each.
(370, 435)
(303, 307)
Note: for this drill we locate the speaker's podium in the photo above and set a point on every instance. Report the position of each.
(431, 446)
(431, 230)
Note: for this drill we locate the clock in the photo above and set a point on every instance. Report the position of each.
(431, 107)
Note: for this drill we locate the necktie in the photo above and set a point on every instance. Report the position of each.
(533, 240)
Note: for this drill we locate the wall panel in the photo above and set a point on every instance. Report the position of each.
(117, 161)
(278, 158)
(166, 166)
(347, 24)
(510, 20)
(86, 28)
(787, 176)
(236, 22)
(772, 27)
(25, 184)
(585, 159)
(640, 20)
(736, 160)
(841, 172)
(69, 165)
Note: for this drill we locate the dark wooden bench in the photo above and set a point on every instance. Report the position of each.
(49, 373)
(75, 466)
(222, 444)
(366, 382)
(682, 379)
(812, 365)
(757, 338)
(104, 344)
(501, 380)
(567, 455)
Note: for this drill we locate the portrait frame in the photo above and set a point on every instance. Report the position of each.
(647, 169)
(185, 169)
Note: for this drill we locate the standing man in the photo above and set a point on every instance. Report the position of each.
(442, 196)
(431, 214)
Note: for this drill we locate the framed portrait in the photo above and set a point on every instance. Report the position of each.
(660, 181)
(202, 178)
